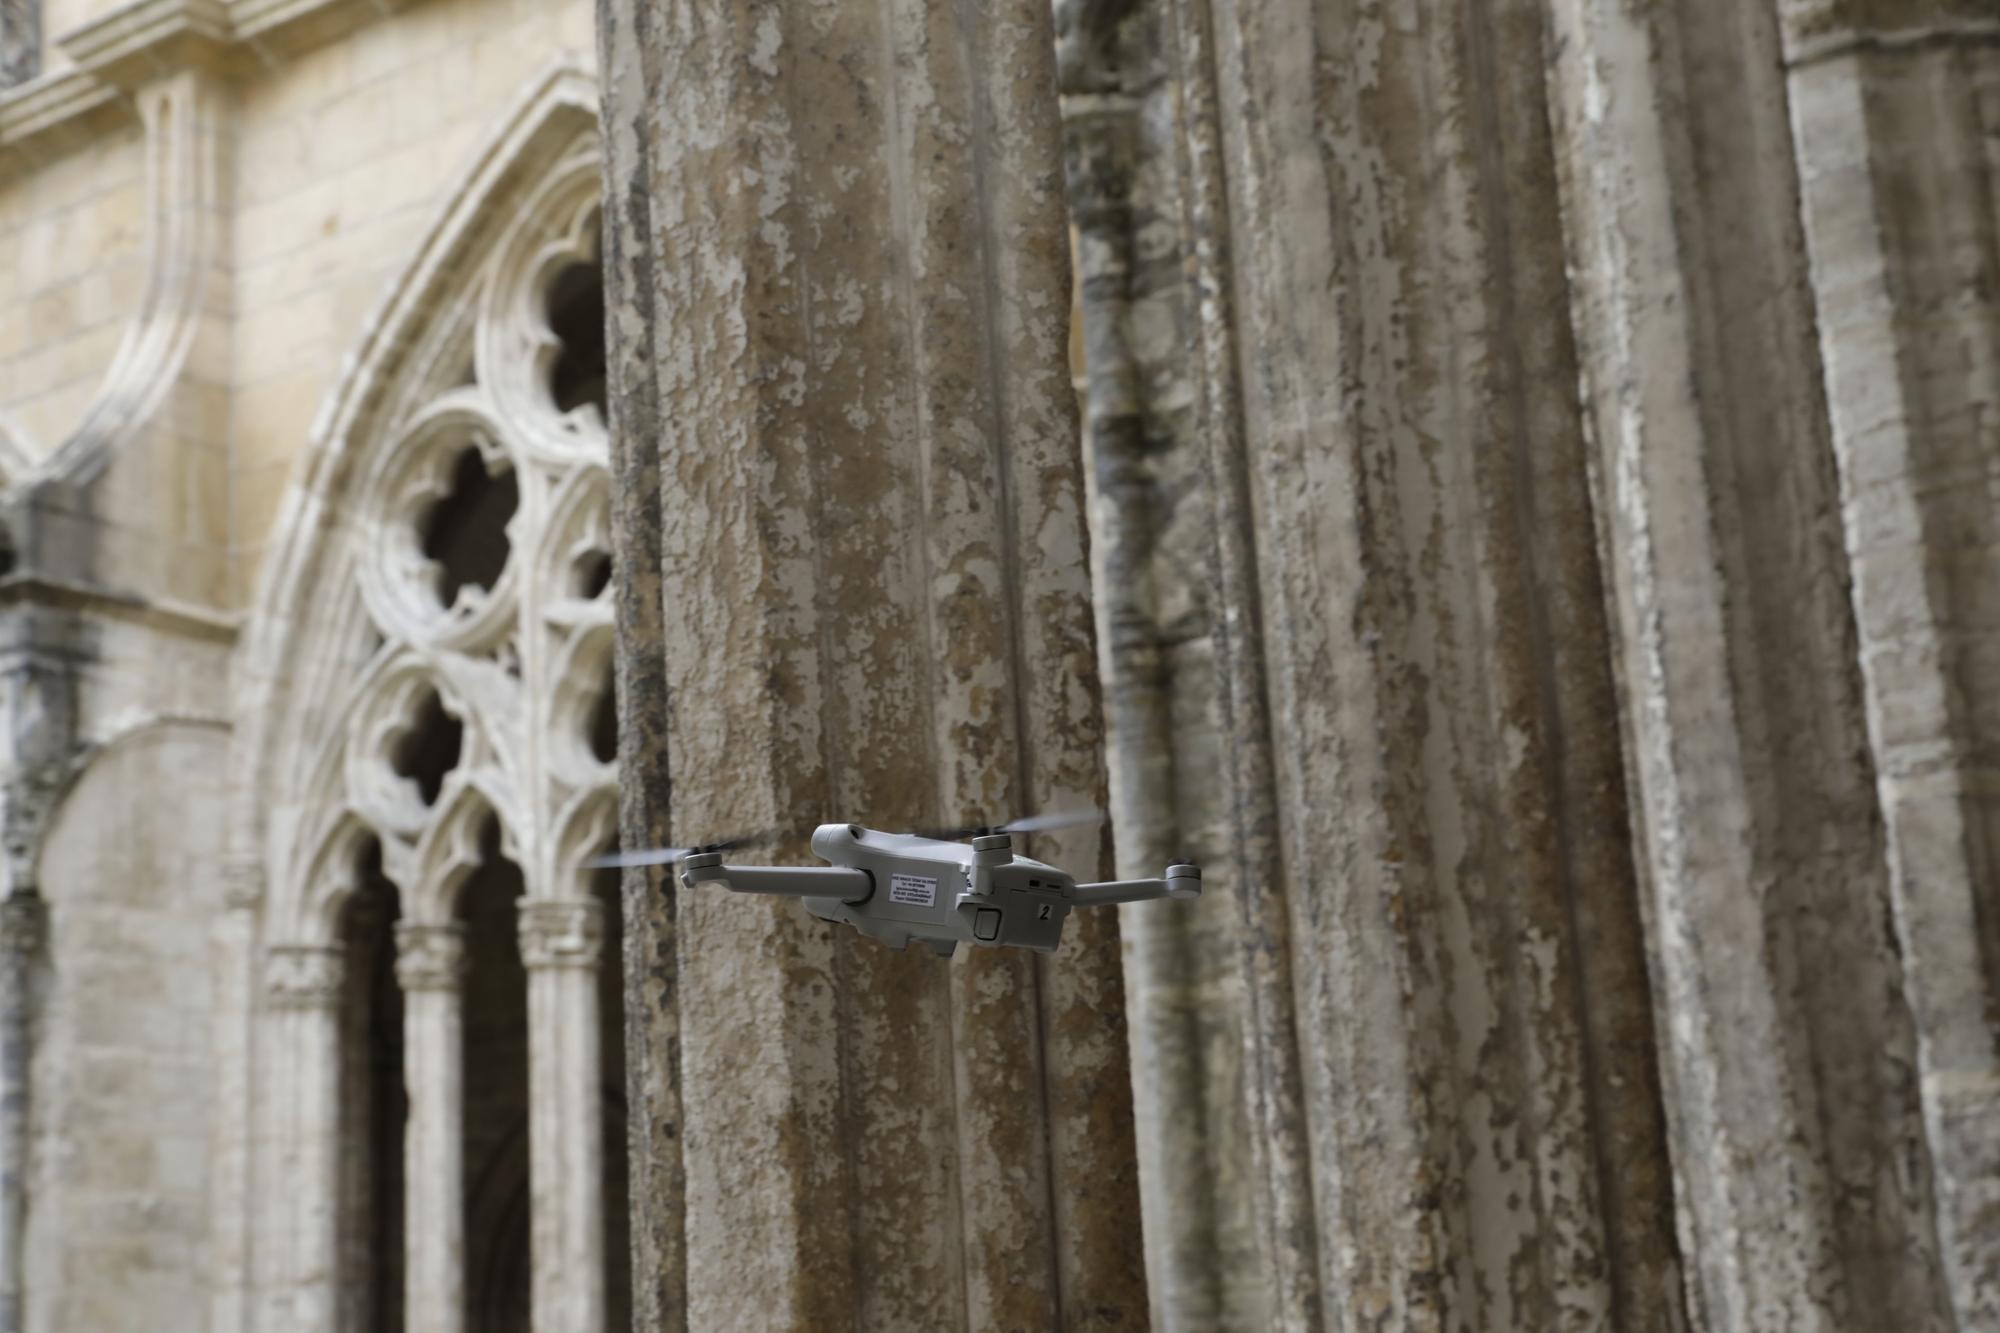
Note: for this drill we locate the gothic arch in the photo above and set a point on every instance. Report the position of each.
(356, 627)
(426, 651)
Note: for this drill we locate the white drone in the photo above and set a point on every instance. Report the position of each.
(896, 887)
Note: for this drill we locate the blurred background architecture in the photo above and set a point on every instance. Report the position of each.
(1512, 488)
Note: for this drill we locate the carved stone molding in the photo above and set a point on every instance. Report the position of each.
(411, 475)
(184, 181)
(23, 918)
(126, 46)
(242, 884)
(304, 976)
(430, 956)
(561, 932)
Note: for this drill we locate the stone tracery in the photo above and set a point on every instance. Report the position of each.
(444, 675)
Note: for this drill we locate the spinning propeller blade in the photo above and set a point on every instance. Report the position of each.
(660, 856)
(1046, 822)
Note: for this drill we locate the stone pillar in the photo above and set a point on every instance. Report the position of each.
(1896, 112)
(430, 968)
(1788, 1049)
(21, 926)
(561, 942)
(1433, 938)
(837, 308)
(303, 983)
(1151, 535)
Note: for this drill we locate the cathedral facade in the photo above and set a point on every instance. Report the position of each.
(309, 538)
(1511, 488)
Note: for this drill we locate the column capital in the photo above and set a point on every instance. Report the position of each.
(561, 932)
(430, 956)
(304, 976)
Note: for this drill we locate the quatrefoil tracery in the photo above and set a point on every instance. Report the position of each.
(483, 553)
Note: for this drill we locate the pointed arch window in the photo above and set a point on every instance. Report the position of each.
(447, 686)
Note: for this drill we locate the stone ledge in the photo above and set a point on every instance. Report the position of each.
(50, 115)
(173, 616)
(1804, 48)
(130, 46)
(149, 39)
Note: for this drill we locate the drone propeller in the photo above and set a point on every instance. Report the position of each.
(1047, 822)
(660, 856)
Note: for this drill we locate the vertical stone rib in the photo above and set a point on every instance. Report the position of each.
(1397, 316)
(1894, 112)
(1285, 1284)
(1151, 534)
(870, 559)
(628, 68)
(232, 1309)
(1785, 1048)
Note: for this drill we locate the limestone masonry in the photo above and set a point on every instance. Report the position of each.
(1511, 488)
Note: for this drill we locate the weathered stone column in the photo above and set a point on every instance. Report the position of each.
(562, 940)
(304, 984)
(871, 567)
(21, 926)
(1151, 535)
(1788, 1050)
(1367, 571)
(430, 968)
(1896, 111)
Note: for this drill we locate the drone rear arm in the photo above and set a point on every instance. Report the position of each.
(843, 882)
(1182, 881)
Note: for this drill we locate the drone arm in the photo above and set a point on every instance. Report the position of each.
(842, 882)
(1182, 881)
(1119, 891)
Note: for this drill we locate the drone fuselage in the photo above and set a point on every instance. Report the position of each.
(944, 893)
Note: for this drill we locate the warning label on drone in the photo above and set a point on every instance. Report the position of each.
(913, 890)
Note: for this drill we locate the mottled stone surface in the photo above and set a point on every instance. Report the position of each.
(1895, 115)
(1737, 1070)
(1156, 632)
(1434, 956)
(651, 969)
(1787, 1042)
(838, 251)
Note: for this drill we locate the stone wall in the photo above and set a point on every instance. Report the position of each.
(124, 1066)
